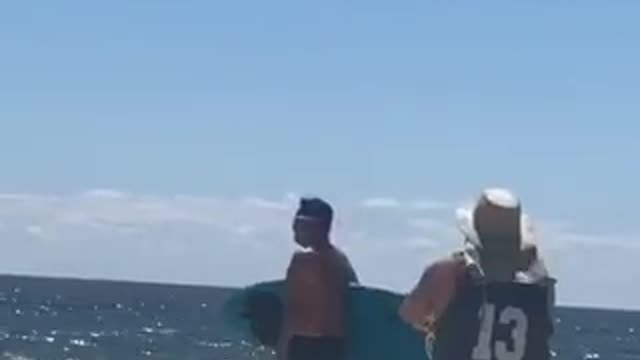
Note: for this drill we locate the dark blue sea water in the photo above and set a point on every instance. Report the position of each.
(74, 319)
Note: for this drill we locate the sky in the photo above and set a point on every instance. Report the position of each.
(169, 141)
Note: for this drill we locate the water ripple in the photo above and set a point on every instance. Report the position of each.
(137, 322)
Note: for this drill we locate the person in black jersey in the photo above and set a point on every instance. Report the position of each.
(317, 289)
(492, 300)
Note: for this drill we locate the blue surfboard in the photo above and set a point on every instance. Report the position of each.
(374, 329)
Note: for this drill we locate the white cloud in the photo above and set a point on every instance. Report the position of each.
(570, 239)
(34, 230)
(413, 205)
(430, 205)
(105, 193)
(183, 238)
(244, 229)
(268, 204)
(380, 202)
(421, 243)
(430, 224)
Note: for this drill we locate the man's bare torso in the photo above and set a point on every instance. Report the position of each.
(317, 289)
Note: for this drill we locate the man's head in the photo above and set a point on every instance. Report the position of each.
(497, 221)
(497, 214)
(312, 223)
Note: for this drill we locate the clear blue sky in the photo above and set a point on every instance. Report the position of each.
(348, 99)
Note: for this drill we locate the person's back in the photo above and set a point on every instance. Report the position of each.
(317, 289)
(494, 321)
(485, 303)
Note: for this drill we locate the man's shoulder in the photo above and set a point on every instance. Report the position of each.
(340, 254)
(302, 264)
(311, 264)
(451, 264)
(302, 258)
(315, 257)
(314, 254)
(300, 254)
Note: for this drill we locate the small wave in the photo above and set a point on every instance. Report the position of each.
(12, 356)
(147, 353)
(158, 330)
(628, 353)
(80, 343)
(215, 345)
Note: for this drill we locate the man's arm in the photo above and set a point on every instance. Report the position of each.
(413, 306)
(431, 295)
(345, 265)
(352, 277)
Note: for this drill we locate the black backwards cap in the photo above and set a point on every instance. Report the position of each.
(316, 209)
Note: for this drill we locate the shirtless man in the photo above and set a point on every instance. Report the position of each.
(317, 287)
(492, 300)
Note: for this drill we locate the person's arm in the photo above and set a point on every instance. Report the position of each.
(413, 307)
(431, 295)
(345, 265)
(352, 276)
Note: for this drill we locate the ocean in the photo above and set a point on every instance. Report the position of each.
(65, 319)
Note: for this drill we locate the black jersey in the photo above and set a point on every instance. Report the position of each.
(495, 321)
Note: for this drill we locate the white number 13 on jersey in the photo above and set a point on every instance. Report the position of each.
(510, 315)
